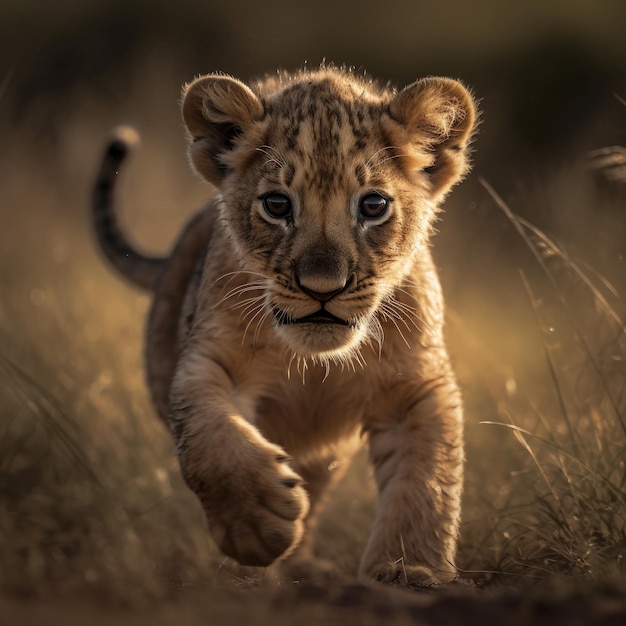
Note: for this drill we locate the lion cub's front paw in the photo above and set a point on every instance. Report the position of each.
(256, 512)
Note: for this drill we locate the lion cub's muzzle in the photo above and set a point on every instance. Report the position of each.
(319, 317)
(321, 288)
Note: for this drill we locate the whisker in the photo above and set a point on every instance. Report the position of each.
(357, 357)
(376, 333)
(369, 161)
(404, 313)
(405, 307)
(257, 331)
(237, 273)
(245, 332)
(392, 157)
(273, 154)
(246, 301)
(392, 319)
(275, 158)
(240, 289)
(390, 312)
(252, 309)
(326, 370)
(302, 366)
(293, 356)
(411, 312)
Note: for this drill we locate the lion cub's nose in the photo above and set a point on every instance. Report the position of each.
(324, 288)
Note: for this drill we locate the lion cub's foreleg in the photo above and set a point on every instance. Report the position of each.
(417, 453)
(253, 500)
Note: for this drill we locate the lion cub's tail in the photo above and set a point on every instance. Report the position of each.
(138, 268)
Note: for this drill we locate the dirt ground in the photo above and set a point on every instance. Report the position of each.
(347, 603)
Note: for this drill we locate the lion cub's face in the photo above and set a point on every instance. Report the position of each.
(329, 189)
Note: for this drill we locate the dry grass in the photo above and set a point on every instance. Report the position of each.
(568, 517)
(91, 502)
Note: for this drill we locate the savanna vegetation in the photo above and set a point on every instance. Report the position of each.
(532, 251)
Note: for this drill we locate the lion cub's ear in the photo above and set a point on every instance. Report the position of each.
(433, 123)
(218, 112)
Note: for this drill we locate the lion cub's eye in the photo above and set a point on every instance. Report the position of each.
(276, 205)
(373, 205)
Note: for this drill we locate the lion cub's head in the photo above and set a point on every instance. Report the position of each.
(329, 186)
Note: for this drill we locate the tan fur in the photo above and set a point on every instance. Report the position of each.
(261, 405)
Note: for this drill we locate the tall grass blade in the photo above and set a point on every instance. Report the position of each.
(522, 227)
(617, 492)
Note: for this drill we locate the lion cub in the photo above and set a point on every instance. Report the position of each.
(300, 311)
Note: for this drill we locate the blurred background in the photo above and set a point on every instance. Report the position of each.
(549, 75)
(545, 70)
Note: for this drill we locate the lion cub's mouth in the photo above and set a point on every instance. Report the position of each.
(319, 317)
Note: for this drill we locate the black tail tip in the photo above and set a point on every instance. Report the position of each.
(123, 140)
